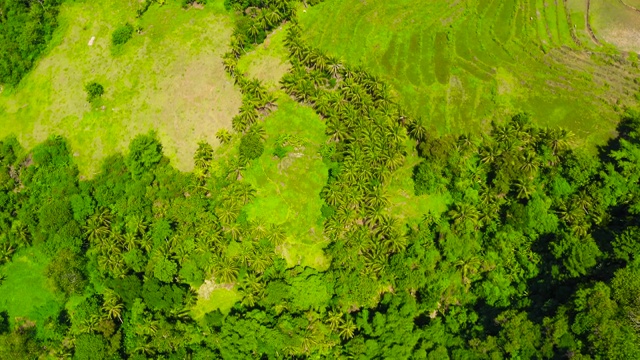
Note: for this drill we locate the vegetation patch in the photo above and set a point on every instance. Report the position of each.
(122, 34)
(289, 187)
(26, 293)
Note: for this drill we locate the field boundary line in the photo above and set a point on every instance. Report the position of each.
(572, 29)
(629, 6)
(589, 29)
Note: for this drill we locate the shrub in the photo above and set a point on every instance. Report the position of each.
(145, 151)
(425, 178)
(251, 147)
(94, 91)
(280, 151)
(122, 34)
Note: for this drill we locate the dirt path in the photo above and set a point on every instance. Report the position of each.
(593, 36)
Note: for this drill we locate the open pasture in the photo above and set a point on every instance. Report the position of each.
(169, 77)
(463, 64)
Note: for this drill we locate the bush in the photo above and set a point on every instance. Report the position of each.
(426, 178)
(122, 34)
(280, 151)
(94, 91)
(251, 147)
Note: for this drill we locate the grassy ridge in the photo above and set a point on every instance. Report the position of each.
(461, 64)
(168, 78)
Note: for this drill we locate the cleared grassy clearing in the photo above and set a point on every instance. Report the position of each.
(26, 293)
(218, 299)
(463, 64)
(404, 204)
(268, 61)
(288, 189)
(168, 78)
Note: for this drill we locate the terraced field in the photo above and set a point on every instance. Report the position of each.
(462, 64)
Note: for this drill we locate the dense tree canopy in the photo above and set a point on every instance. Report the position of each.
(25, 29)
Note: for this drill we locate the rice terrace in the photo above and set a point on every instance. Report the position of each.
(340, 179)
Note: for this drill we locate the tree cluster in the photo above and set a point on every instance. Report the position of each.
(25, 29)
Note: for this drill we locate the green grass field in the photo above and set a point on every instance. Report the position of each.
(168, 78)
(26, 292)
(288, 189)
(218, 299)
(463, 64)
(268, 61)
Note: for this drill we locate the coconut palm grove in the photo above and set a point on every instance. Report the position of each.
(337, 179)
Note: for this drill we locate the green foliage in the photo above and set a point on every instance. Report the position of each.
(533, 254)
(144, 152)
(251, 146)
(426, 179)
(165, 270)
(122, 34)
(90, 346)
(25, 30)
(94, 91)
(66, 272)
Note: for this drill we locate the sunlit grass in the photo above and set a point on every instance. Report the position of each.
(168, 78)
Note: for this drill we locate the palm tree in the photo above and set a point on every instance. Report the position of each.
(377, 198)
(230, 63)
(273, 17)
(489, 153)
(468, 266)
(226, 270)
(6, 251)
(244, 191)
(275, 235)
(558, 139)
(529, 163)
(95, 230)
(335, 320)
(254, 30)
(347, 329)
(146, 348)
(580, 229)
(89, 325)
(223, 136)
(397, 133)
(524, 188)
(463, 213)
(418, 131)
(259, 130)
(20, 232)
(395, 161)
(396, 243)
(112, 305)
(334, 66)
(248, 114)
(338, 131)
(129, 241)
